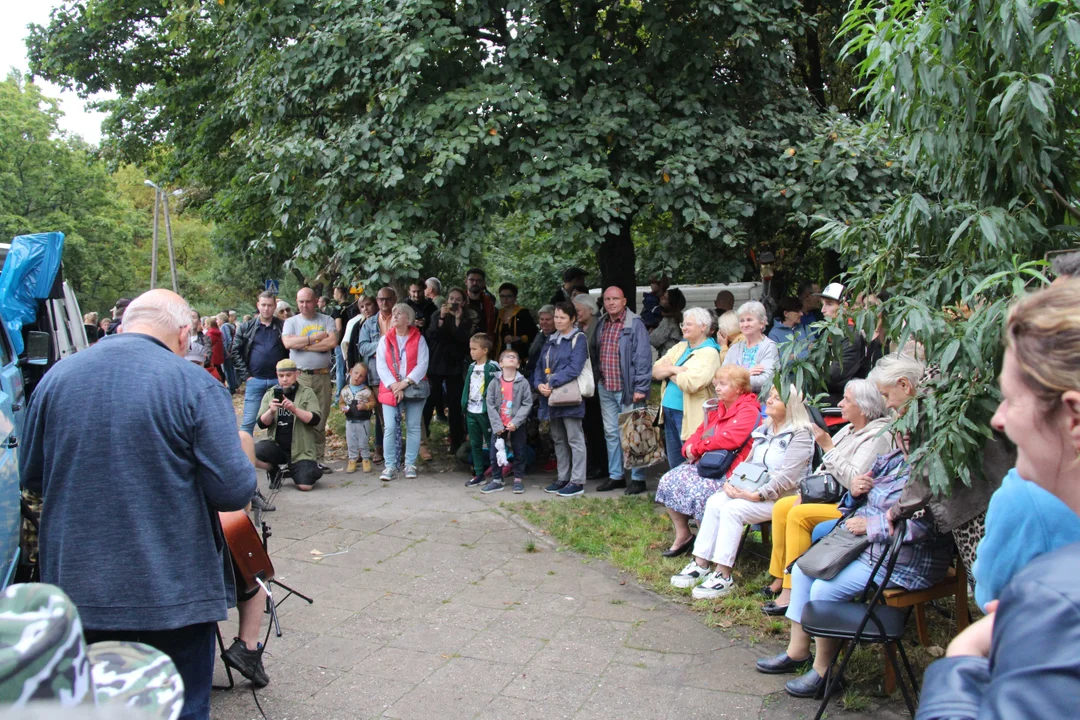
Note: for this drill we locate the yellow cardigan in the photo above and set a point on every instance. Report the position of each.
(695, 383)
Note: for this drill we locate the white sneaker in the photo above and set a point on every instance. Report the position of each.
(410, 472)
(714, 586)
(388, 474)
(689, 576)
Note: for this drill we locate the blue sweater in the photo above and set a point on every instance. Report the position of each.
(133, 450)
(1023, 522)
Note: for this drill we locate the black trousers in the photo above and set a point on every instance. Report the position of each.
(595, 444)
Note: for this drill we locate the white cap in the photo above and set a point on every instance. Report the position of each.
(832, 291)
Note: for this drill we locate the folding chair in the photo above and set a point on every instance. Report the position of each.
(858, 621)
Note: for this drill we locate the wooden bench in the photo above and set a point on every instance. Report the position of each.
(954, 585)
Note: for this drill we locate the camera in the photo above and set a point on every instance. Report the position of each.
(279, 393)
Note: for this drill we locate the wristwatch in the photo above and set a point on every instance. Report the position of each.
(761, 496)
(410, 381)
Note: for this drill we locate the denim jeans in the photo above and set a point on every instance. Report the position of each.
(673, 437)
(339, 372)
(413, 411)
(253, 395)
(610, 407)
(845, 585)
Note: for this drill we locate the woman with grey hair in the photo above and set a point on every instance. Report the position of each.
(755, 352)
(847, 456)
(402, 361)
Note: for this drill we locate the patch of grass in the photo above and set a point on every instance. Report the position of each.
(855, 701)
(530, 547)
(631, 532)
(617, 601)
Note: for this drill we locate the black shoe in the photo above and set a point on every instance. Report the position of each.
(637, 487)
(326, 469)
(780, 664)
(610, 484)
(598, 474)
(768, 593)
(683, 549)
(773, 610)
(555, 487)
(246, 662)
(810, 685)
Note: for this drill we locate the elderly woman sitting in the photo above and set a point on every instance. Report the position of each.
(730, 417)
(779, 459)
(687, 370)
(847, 455)
(755, 352)
(922, 563)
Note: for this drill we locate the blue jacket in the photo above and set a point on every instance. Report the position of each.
(134, 450)
(781, 334)
(635, 355)
(565, 360)
(1034, 668)
(367, 345)
(1023, 522)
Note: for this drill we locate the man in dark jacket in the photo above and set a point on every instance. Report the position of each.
(133, 537)
(852, 346)
(624, 360)
(255, 353)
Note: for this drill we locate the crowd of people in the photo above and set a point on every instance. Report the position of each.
(743, 447)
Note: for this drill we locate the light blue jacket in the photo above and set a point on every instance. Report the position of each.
(1023, 522)
(367, 345)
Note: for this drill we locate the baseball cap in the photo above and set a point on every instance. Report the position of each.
(832, 291)
(286, 364)
(44, 656)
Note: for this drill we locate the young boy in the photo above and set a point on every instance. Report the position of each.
(473, 402)
(509, 401)
(357, 402)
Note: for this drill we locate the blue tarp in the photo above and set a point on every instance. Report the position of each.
(28, 276)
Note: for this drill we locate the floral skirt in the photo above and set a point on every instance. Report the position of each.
(686, 492)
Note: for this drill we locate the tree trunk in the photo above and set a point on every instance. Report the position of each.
(616, 259)
(815, 83)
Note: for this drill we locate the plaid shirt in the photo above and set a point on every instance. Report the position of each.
(925, 556)
(610, 373)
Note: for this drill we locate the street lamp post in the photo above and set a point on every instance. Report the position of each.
(161, 200)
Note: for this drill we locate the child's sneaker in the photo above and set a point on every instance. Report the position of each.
(493, 486)
(714, 586)
(475, 480)
(519, 487)
(690, 575)
(555, 487)
(351, 467)
(366, 465)
(571, 490)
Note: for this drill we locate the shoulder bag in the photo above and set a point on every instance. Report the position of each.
(715, 464)
(749, 476)
(417, 391)
(572, 393)
(821, 488)
(832, 553)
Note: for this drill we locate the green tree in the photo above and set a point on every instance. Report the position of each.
(373, 136)
(983, 124)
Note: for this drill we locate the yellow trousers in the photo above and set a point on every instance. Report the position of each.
(792, 526)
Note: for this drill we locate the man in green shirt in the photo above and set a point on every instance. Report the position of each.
(290, 414)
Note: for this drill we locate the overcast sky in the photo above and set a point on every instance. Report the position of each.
(17, 14)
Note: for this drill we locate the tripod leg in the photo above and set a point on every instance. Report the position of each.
(290, 591)
(228, 670)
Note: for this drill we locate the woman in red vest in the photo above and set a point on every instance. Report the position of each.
(402, 362)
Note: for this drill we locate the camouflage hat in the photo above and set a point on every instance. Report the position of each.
(43, 657)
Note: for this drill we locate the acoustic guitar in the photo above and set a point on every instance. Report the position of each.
(246, 549)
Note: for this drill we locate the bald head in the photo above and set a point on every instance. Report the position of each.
(305, 302)
(614, 301)
(162, 314)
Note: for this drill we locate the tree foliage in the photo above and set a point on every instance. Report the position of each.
(983, 124)
(372, 136)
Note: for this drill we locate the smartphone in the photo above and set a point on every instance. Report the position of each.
(279, 393)
(455, 306)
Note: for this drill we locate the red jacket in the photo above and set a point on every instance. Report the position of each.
(217, 346)
(731, 428)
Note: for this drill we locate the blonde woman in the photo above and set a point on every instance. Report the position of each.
(728, 332)
(783, 446)
(755, 352)
(686, 371)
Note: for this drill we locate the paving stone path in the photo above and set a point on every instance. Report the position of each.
(435, 609)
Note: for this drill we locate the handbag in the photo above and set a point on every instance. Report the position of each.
(418, 391)
(821, 488)
(642, 439)
(572, 393)
(715, 463)
(749, 476)
(832, 553)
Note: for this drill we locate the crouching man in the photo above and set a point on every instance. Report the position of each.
(290, 415)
